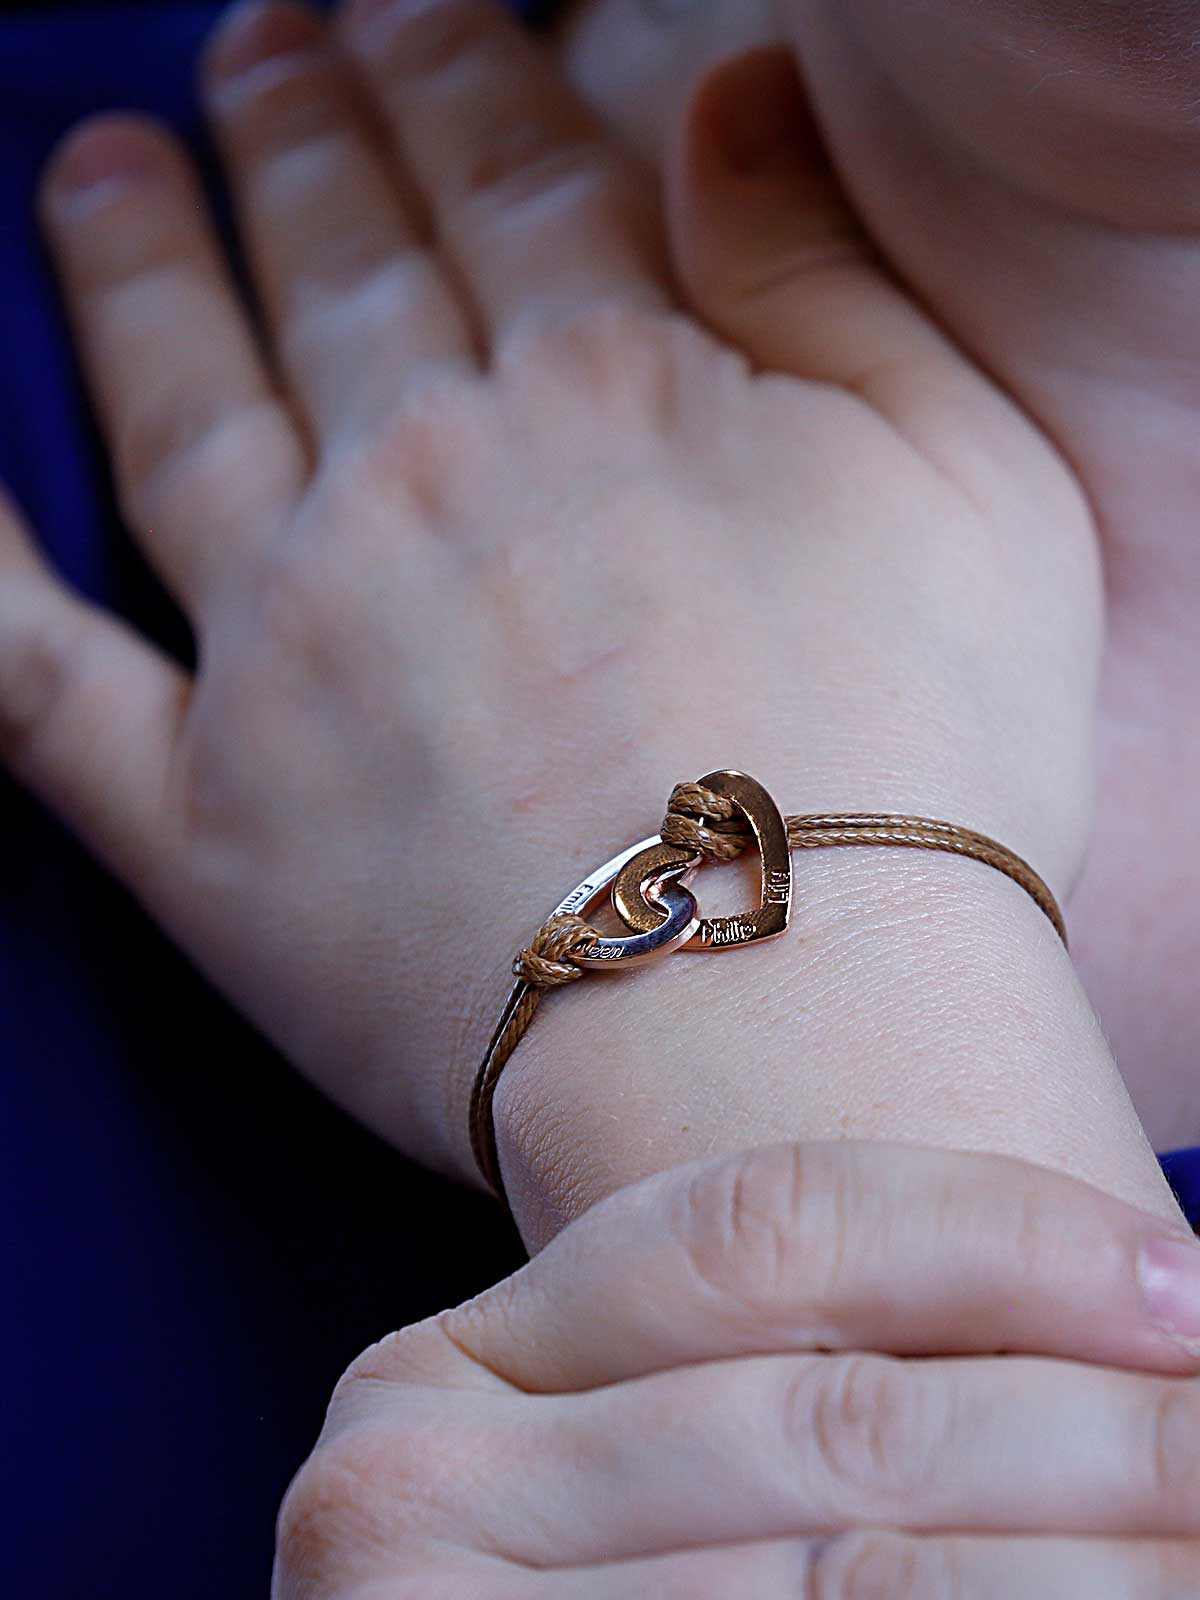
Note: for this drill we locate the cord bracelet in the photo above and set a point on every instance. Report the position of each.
(647, 884)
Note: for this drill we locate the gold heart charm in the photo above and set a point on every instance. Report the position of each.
(675, 917)
(633, 888)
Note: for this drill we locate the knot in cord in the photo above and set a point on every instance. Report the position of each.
(700, 820)
(546, 963)
(706, 823)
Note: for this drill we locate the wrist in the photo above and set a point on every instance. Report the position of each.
(918, 997)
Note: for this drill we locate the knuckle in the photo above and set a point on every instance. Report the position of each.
(357, 1494)
(385, 1478)
(156, 444)
(599, 331)
(1042, 1254)
(874, 1564)
(394, 1359)
(424, 1356)
(602, 350)
(354, 280)
(174, 447)
(313, 1500)
(301, 609)
(40, 677)
(865, 1423)
(1175, 1444)
(758, 1229)
(1035, 1236)
(429, 452)
(739, 1225)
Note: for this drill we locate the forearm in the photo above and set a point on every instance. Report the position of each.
(918, 997)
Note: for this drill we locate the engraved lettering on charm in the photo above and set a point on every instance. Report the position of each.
(775, 894)
(778, 891)
(727, 931)
(636, 893)
(580, 897)
(676, 909)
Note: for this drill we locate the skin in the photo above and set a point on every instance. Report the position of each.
(636, 62)
(721, 1431)
(1028, 166)
(401, 476)
(1093, 262)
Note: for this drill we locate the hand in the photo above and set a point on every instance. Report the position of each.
(675, 1398)
(495, 545)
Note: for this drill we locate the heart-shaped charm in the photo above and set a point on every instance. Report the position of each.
(633, 902)
(648, 887)
(675, 916)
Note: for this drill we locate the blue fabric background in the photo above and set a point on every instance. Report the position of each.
(195, 1244)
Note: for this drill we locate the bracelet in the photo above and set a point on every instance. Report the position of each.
(713, 820)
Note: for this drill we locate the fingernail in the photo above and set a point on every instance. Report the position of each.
(99, 155)
(364, 10)
(1169, 1271)
(258, 31)
(372, 19)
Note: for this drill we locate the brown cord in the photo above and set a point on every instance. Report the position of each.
(542, 966)
(699, 820)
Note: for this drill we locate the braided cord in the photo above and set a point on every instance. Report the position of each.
(710, 824)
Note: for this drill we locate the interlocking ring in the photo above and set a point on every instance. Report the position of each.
(769, 918)
(661, 886)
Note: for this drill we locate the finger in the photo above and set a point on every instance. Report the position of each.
(539, 209)
(770, 254)
(203, 452)
(89, 712)
(882, 1563)
(873, 1562)
(839, 1245)
(773, 1446)
(778, 1569)
(353, 298)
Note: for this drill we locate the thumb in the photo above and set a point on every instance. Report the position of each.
(771, 256)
